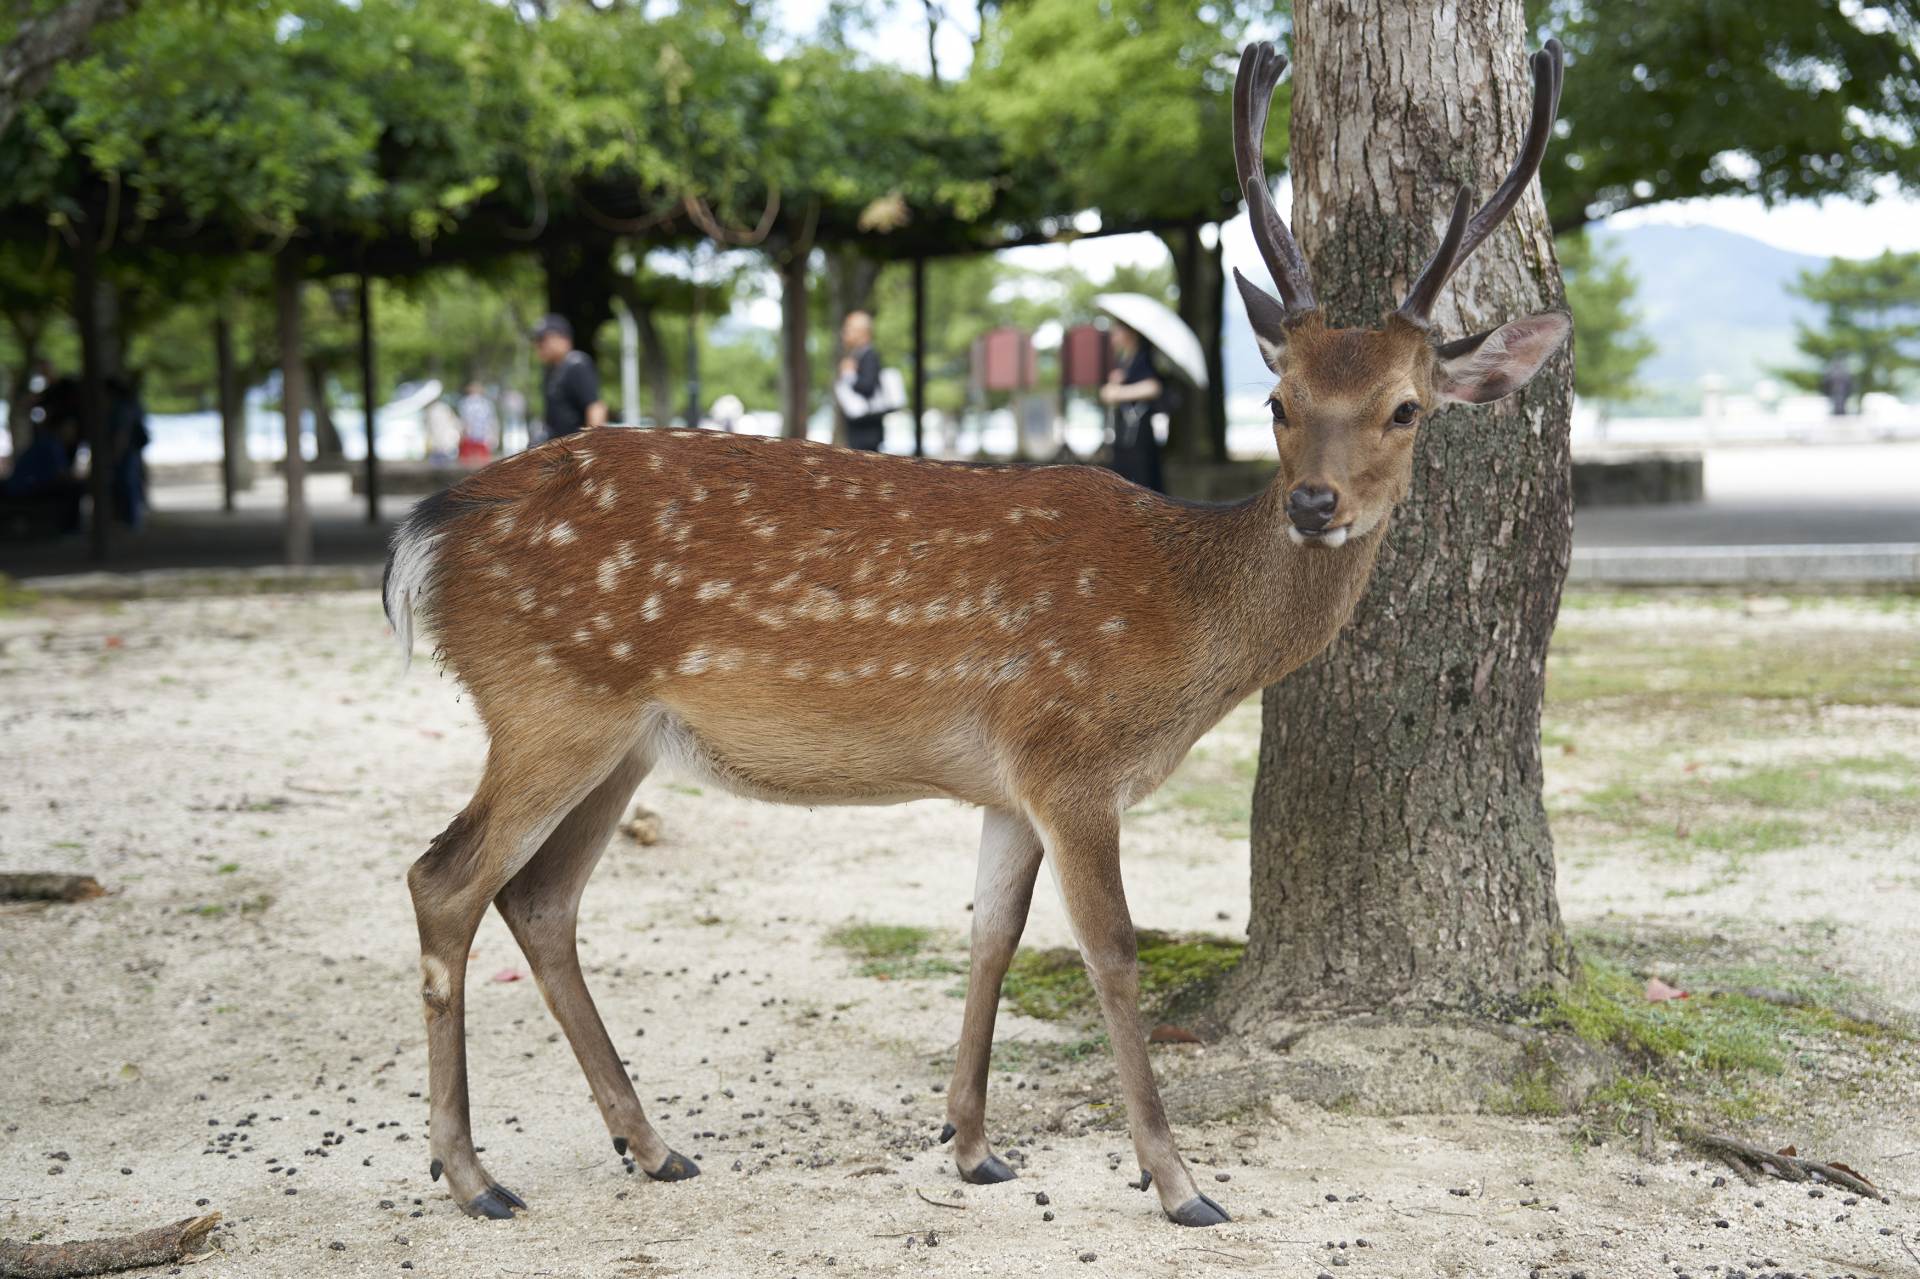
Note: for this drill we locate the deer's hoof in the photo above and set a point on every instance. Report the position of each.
(496, 1202)
(677, 1167)
(989, 1171)
(1199, 1211)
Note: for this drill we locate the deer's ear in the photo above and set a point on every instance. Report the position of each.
(1269, 321)
(1492, 365)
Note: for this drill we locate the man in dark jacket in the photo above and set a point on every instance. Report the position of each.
(572, 384)
(858, 388)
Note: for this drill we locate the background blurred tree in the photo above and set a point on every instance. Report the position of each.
(1609, 347)
(1872, 322)
(1783, 99)
(36, 36)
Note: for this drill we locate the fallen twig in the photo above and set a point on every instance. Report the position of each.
(1750, 1161)
(157, 1247)
(938, 1203)
(48, 886)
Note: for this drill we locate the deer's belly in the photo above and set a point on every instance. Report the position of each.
(822, 759)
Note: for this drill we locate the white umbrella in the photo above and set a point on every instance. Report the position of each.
(1166, 332)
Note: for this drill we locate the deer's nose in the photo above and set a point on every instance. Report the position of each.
(1310, 506)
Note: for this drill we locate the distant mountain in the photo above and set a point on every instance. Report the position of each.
(1712, 301)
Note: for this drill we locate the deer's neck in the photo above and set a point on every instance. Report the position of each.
(1274, 604)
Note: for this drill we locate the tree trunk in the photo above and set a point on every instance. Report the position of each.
(287, 286)
(19, 409)
(1400, 847)
(1198, 432)
(655, 374)
(236, 469)
(794, 390)
(326, 436)
(90, 300)
(580, 285)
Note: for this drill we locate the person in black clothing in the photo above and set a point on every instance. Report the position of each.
(572, 385)
(860, 376)
(1134, 391)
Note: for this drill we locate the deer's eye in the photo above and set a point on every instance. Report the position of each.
(1404, 415)
(1279, 410)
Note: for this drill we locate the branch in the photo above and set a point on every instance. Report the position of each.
(157, 1247)
(43, 43)
(1751, 1161)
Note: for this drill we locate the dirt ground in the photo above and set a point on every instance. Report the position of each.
(237, 1027)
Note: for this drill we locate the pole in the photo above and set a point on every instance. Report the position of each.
(629, 363)
(287, 288)
(919, 354)
(369, 399)
(793, 346)
(93, 396)
(693, 360)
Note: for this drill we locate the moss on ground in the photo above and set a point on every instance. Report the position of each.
(894, 951)
(1750, 1035)
(1052, 984)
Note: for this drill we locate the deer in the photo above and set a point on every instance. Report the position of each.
(807, 624)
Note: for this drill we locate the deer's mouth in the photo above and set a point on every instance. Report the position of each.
(1326, 537)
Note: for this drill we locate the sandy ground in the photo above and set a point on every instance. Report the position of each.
(237, 1025)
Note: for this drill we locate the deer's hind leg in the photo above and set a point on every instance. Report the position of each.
(528, 789)
(542, 906)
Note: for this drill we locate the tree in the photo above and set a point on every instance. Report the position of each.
(1400, 846)
(1609, 347)
(1783, 99)
(1872, 321)
(38, 37)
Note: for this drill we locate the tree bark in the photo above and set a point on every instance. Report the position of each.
(580, 285)
(41, 43)
(794, 390)
(1199, 430)
(288, 283)
(327, 446)
(1400, 847)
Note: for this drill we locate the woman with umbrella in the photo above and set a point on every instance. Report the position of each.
(1134, 391)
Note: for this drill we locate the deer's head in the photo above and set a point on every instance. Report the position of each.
(1349, 401)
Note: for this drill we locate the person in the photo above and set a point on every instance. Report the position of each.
(573, 400)
(479, 426)
(1837, 385)
(1134, 391)
(858, 388)
(43, 471)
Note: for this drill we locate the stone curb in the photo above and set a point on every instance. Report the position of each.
(1878, 562)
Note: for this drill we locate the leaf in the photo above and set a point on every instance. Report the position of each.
(507, 974)
(1167, 1033)
(1837, 1166)
(1658, 992)
(1791, 1152)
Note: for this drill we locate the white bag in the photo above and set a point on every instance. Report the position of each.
(889, 398)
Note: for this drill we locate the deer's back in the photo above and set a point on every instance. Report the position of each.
(811, 623)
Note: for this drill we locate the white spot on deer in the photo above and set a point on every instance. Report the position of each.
(560, 534)
(608, 574)
(497, 569)
(863, 572)
(606, 498)
(682, 535)
(653, 461)
(699, 493)
(667, 516)
(838, 677)
(621, 650)
(713, 590)
(1085, 582)
(776, 618)
(694, 661)
(524, 599)
(743, 495)
(865, 607)
(868, 669)
(731, 660)
(1076, 672)
(1017, 514)
(602, 622)
(900, 614)
(504, 524)
(1114, 625)
(581, 636)
(548, 610)
(934, 610)
(901, 670)
(786, 583)
(898, 577)
(650, 607)
(761, 526)
(797, 670)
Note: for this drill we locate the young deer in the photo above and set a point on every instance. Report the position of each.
(813, 625)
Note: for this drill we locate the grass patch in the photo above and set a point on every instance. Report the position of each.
(1746, 1041)
(893, 951)
(15, 598)
(1053, 985)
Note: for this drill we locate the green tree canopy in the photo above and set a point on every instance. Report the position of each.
(1783, 99)
(1872, 321)
(1609, 346)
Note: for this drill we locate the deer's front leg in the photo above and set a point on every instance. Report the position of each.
(1085, 852)
(1003, 890)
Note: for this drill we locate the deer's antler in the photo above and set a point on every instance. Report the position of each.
(1261, 66)
(1464, 236)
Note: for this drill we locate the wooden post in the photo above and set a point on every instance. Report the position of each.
(919, 398)
(93, 391)
(233, 433)
(287, 287)
(370, 399)
(793, 346)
